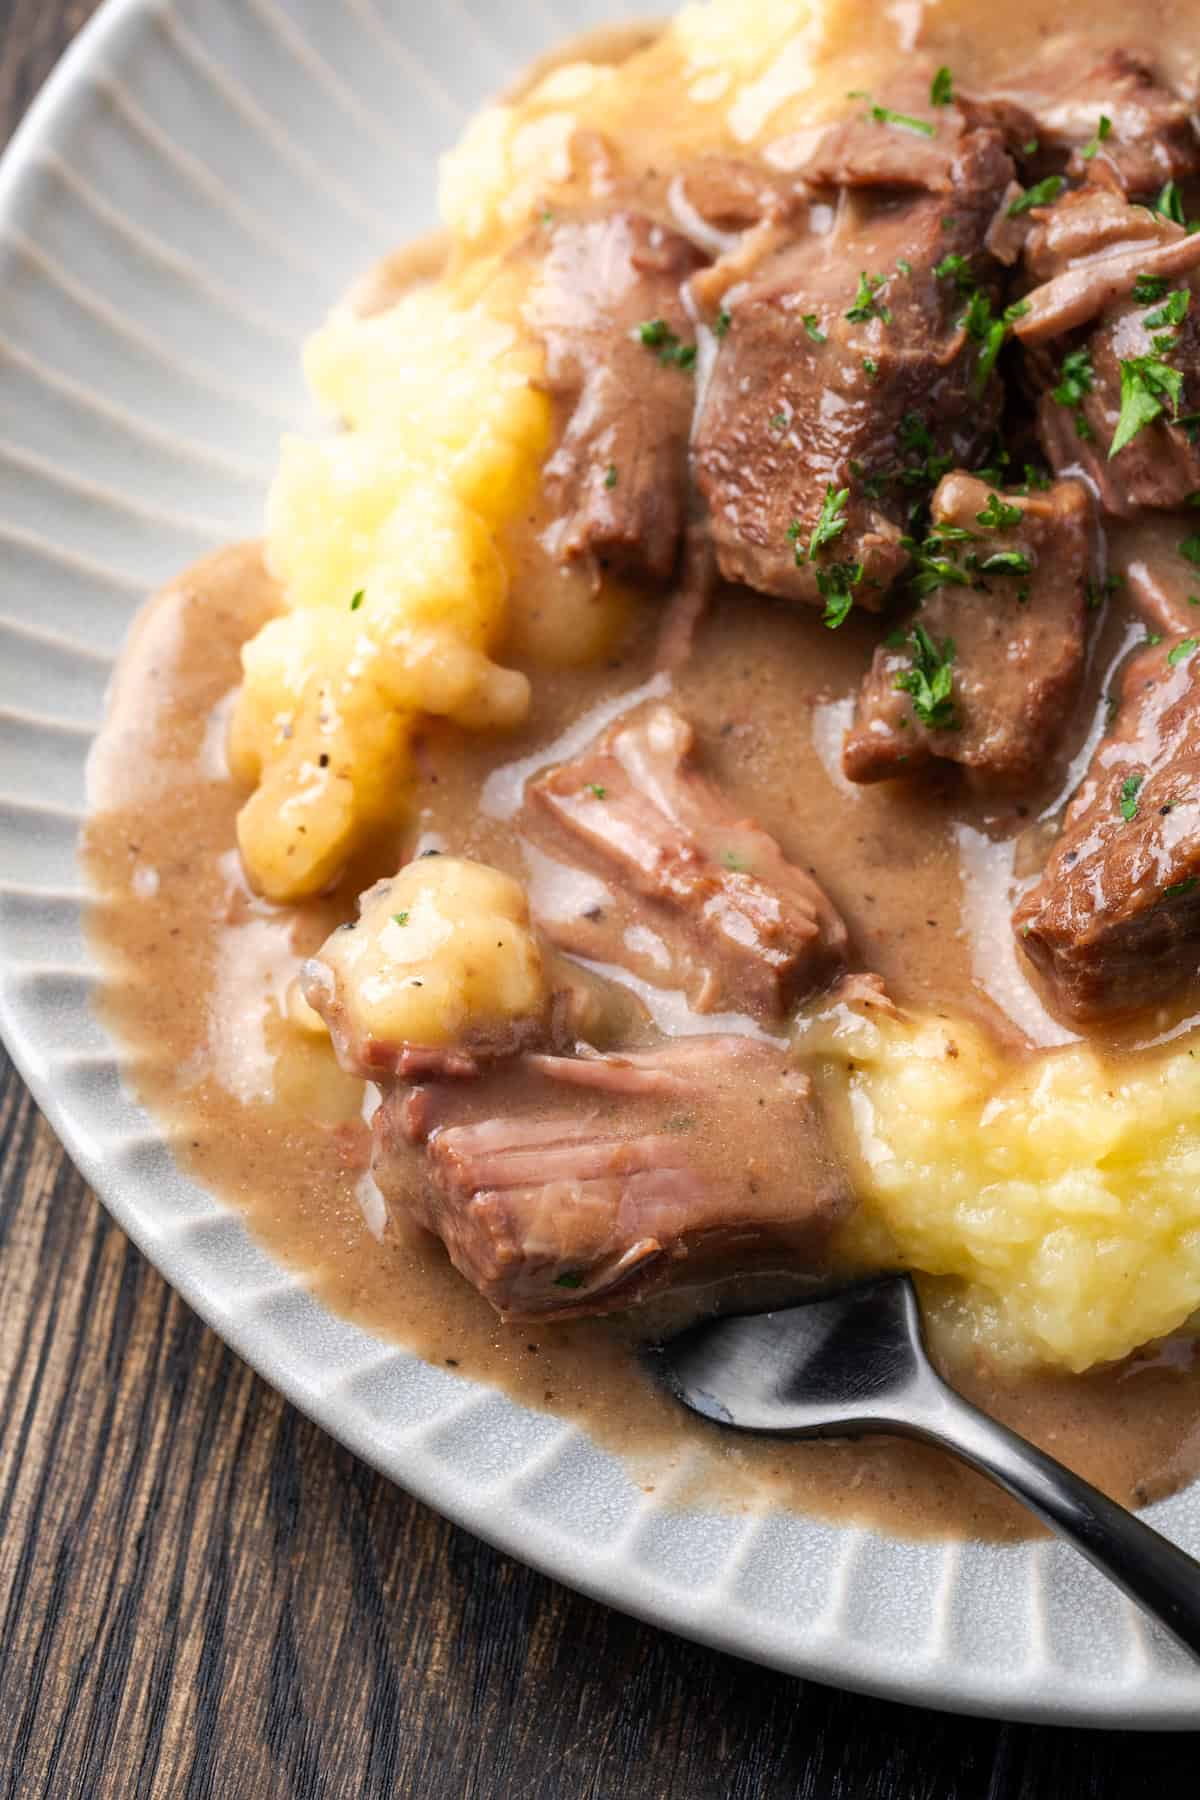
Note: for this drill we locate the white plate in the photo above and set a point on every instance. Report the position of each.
(186, 197)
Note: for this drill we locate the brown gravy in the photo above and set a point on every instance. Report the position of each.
(199, 972)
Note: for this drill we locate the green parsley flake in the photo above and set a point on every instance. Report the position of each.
(779, 421)
(1149, 288)
(836, 586)
(657, 335)
(1172, 313)
(572, 1279)
(1147, 384)
(1030, 148)
(1076, 379)
(610, 476)
(1170, 204)
(1042, 193)
(866, 304)
(1181, 651)
(1006, 562)
(1179, 888)
(883, 115)
(832, 519)
(358, 599)
(930, 681)
(1190, 548)
(809, 322)
(941, 88)
(400, 918)
(903, 266)
(1131, 787)
(870, 366)
(956, 267)
(724, 321)
(596, 791)
(1103, 131)
(733, 861)
(998, 515)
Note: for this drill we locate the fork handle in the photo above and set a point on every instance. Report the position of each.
(1152, 1571)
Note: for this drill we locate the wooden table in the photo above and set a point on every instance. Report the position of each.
(201, 1594)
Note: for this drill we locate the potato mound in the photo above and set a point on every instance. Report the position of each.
(1064, 1190)
(384, 540)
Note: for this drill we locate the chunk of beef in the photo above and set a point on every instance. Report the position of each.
(1152, 139)
(1162, 583)
(1088, 253)
(821, 386)
(618, 480)
(741, 928)
(1017, 636)
(1114, 923)
(867, 151)
(580, 1185)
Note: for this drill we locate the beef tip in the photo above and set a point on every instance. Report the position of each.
(556, 1201)
(1011, 639)
(1114, 922)
(846, 379)
(618, 480)
(740, 927)
(1110, 274)
(1162, 583)
(867, 151)
(1151, 137)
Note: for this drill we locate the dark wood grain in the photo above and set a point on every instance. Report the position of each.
(200, 1594)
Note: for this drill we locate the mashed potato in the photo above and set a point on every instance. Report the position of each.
(1065, 1191)
(386, 543)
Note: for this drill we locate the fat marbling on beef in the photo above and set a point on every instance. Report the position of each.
(1114, 922)
(745, 929)
(617, 482)
(845, 367)
(1012, 635)
(570, 1185)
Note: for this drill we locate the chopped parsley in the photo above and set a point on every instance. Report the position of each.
(1030, 148)
(400, 918)
(1181, 651)
(1006, 562)
(930, 681)
(1170, 204)
(657, 335)
(1190, 549)
(1172, 313)
(572, 1279)
(836, 586)
(867, 305)
(1076, 379)
(723, 322)
(610, 476)
(1131, 787)
(957, 267)
(903, 266)
(596, 790)
(358, 599)
(1179, 888)
(733, 861)
(998, 515)
(1103, 131)
(1147, 384)
(779, 421)
(831, 523)
(1042, 193)
(870, 366)
(809, 322)
(1099, 591)
(1149, 288)
(883, 115)
(941, 88)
